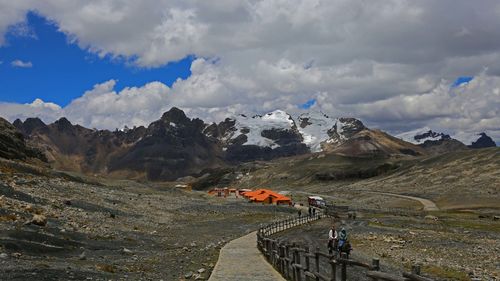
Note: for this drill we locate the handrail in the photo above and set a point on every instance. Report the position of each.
(296, 263)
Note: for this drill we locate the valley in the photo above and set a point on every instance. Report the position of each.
(78, 203)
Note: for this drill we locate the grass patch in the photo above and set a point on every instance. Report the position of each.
(475, 225)
(106, 268)
(445, 272)
(9, 217)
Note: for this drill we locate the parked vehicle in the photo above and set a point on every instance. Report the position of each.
(316, 201)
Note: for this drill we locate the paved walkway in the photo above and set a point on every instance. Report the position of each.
(241, 260)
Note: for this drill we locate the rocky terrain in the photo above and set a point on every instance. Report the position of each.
(13, 145)
(176, 146)
(483, 141)
(438, 143)
(447, 245)
(112, 215)
(60, 226)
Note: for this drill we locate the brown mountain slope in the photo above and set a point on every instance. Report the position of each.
(171, 147)
(13, 144)
(375, 142)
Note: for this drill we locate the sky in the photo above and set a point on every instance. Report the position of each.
(397, 65)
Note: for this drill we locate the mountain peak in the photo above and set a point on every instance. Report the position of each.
(420, 136)
(483, 141)
(174, 115)
(63, 124)
(29, 125)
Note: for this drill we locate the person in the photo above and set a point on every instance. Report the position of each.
(314, 212)
(332, 239)
(342, 239)
(300, 213)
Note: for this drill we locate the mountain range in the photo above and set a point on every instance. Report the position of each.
(176, 146)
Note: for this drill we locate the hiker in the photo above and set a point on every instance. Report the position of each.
(343, 244)
(332, 239)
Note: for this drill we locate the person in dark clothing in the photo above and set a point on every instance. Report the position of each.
(332, 239)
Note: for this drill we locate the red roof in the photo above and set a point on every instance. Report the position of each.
(262, 195)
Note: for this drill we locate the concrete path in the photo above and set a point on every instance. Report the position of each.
(241, 260)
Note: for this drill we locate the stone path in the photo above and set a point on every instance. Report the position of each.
(241, 260)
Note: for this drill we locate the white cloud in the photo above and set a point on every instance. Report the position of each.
(21, 64)
(49, 112)
(389, 62)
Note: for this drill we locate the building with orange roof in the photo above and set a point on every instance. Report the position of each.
(267, 196)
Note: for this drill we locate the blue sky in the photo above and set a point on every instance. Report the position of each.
(61, 71)
(462, 80)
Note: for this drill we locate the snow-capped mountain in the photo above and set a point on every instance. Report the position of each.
(343, 130)
(314, 127)
(258, 130)
(276, 129)
(426, 137)
(420, 136)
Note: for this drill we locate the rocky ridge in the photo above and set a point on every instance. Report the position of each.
(176, 146)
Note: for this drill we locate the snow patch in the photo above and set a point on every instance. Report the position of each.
(314, 128)
(253, 127)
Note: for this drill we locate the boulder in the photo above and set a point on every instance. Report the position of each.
(430, 217)
(39, 220)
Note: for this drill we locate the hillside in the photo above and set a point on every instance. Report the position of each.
(463, 179)
(176, 146)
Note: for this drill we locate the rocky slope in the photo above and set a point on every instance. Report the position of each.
(13, 144)
(437, 143)
(53, 228)
(169, 148)
(259, 137)
(176, 146)
(483, 141)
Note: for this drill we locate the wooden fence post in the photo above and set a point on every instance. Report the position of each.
(282, 259)
(375, 267)
(307, 262)
(375, 264)
(273, 257)
(316, 257)
(333, 264)
(267, 249)
(289, 262)
(343, 257)
(298, 262)
(415, 269)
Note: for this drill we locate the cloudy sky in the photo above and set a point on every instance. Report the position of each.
(397, 65)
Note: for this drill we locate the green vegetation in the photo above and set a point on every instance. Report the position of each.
(445, 272)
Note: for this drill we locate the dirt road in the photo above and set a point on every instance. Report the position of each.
(428, 204)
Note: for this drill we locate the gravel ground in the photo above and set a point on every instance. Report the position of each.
(453, 247)
(53, 228)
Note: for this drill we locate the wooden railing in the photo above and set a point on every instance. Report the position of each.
(297, 264)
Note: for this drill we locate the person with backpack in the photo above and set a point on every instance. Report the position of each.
(343, 244)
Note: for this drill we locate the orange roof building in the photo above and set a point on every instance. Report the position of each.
(267, 196)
